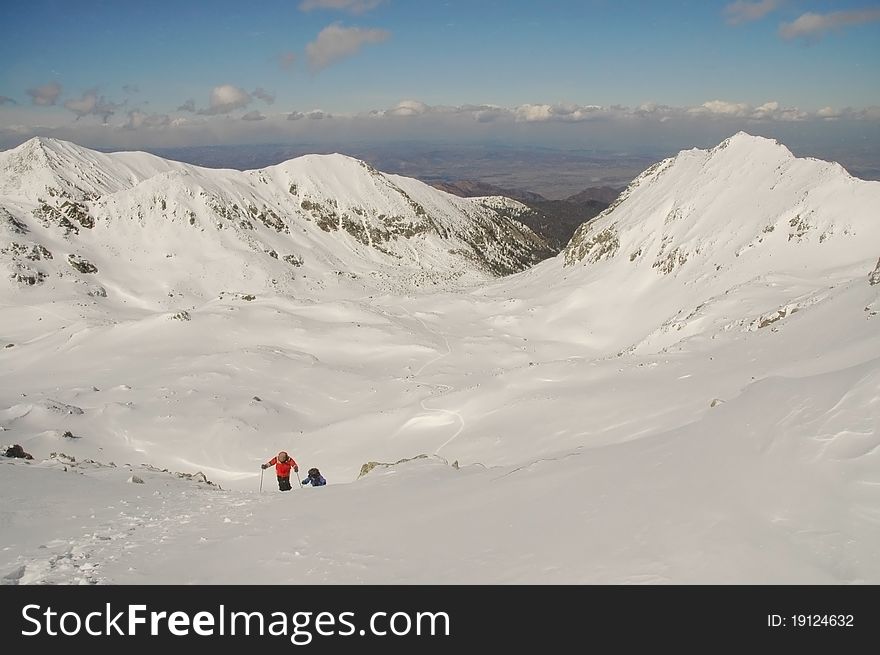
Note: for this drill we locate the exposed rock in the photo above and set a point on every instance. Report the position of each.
(77, 212)
(667, 262)
(799, 226)
(33, 253)
(585, 245)
(874, 276)
(195, 477)
(48, 216)
(82, 265)
(62, 408)
(135, 480)
(17, 451)
(29, 276)
(369, 466)
(14, 224)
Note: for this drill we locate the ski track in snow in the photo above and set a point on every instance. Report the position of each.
(444, 388)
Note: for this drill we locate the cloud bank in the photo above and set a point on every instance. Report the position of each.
(551, 124)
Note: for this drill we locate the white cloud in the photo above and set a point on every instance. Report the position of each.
(84, 105)
(317, 115)
(46, 94)
(409, 108)
(790, 114)
(226, 98)
(6, 100)
(533, 113)
(653, 110)
(813, 27)
(563, 113)
(351, 6)
(720, 107)
(184, 121)
(266, 96)
(253, 116)
(335, 42)
(295, 115)
(138, 119)
(90, 103)
(744, 11)
(829, 113)
(769, 111)
(189, 105)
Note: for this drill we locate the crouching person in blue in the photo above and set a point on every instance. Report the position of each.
(315, 478)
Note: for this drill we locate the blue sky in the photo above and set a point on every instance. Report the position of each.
(105, 72)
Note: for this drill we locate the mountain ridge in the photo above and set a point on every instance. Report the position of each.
(349, 216)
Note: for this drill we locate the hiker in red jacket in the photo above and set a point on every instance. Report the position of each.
(283, 463)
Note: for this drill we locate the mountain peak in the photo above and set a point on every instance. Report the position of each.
(748, 199)
(44, 144)
(32, 148)
(35, 142)
(743, 142)
(42, 151)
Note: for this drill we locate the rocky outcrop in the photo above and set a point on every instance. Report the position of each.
(874, 276)
(17, 451)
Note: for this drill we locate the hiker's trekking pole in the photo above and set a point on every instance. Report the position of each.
(262, 470)
(298, 480)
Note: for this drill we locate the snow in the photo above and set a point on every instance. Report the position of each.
(591, 420)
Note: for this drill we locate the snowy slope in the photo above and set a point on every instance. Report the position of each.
(594, 419)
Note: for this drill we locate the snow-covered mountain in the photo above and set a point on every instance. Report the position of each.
(737, 238)
(688, 394)
(71, 215)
